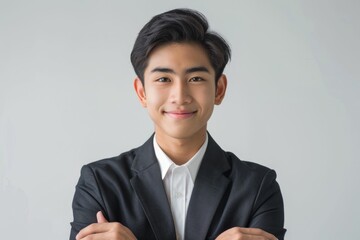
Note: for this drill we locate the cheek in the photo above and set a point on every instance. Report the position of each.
(155, 99)
(205, 97)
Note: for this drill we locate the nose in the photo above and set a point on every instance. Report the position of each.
(180, 93)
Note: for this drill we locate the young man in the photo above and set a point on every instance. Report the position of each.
(180, 184)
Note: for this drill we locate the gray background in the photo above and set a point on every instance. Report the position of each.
(66, 99)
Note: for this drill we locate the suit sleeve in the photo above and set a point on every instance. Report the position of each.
(86, 203)
(268, 211)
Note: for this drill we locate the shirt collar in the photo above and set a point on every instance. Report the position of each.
(193, 164)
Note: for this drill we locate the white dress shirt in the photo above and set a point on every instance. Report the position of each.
(179, 182)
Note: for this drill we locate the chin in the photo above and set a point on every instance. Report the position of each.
(184, 133)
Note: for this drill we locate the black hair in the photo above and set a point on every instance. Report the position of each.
(179, 25)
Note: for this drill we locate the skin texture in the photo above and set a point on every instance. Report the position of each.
(103, 230)
(179, 94)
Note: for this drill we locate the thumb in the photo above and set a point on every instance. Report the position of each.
(100, 217)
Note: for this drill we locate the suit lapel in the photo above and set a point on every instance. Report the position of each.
(148, 185)
(209, 187)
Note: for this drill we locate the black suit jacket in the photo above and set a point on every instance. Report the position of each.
(227, 192)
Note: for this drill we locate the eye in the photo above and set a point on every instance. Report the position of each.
(163, 79)
(196, 79)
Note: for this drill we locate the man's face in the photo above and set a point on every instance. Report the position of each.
(179, 90)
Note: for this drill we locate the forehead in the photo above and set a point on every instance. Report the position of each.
(178, 56)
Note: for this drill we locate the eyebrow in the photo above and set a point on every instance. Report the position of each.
(188, 70)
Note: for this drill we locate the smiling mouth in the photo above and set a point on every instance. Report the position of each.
(180, 115)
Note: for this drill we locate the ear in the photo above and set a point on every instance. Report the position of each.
(140, 91)
(220, 89)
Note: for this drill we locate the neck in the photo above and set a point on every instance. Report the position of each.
(181, 150)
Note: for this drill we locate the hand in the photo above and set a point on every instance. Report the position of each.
(238, 233)
(103, 230)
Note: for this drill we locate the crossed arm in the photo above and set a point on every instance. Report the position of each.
(88, 198)
(116, 231)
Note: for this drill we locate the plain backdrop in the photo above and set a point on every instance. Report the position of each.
(67, 99)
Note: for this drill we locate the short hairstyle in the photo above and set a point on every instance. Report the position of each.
(179, 26)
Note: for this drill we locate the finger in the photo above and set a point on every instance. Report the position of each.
(100, 217)
(245, 234)
(105, 230)
(95, 236)
(92, 229)
(257, 232)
